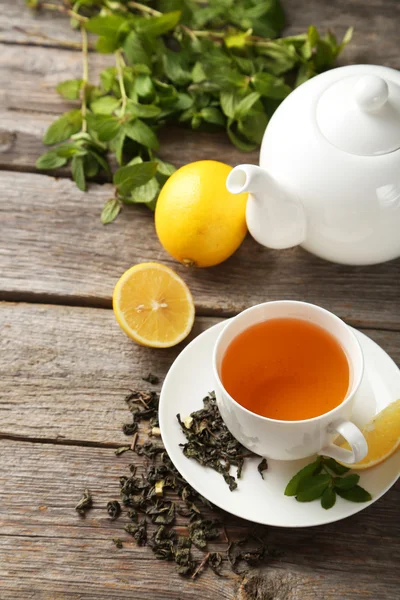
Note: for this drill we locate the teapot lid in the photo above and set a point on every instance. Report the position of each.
(360, 114)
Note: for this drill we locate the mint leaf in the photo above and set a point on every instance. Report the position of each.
(270, 86)
(70, 88)
(106, 127)
(78, 172)
(328, 498)
(311, 469)
(156, 26)
(165, 168)
(334, 466)
(213, 115)
(346, 483)
(146, 111)
(135, 175)
(110, 211)
(143, 86)
(135, 51)
(142, 134)
(239, 142)
(245, 104)
(62, 129)
(311, 488)
(105, 25)
(146, 193)
(50, 160)
(90, 165)
(356, 494)
(107, 45)
(105, 105)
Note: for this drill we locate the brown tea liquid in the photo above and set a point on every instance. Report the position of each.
(286, 369)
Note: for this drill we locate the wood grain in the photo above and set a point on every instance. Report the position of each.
(53, 246)
(47, 547)
(375, 22)
(64, 371)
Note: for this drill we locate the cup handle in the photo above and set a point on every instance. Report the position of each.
(356, 440)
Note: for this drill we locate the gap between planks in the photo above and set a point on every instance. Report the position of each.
(90, 302)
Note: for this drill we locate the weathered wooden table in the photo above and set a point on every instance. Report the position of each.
(65, 365)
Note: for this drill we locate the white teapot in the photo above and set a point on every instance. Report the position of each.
(329, 178)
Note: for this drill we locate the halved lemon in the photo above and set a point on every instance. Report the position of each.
(153, 305)
(383, 436)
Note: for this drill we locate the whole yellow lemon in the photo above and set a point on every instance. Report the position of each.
(197, 220)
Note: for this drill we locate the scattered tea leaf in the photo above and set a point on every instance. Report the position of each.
(150, 378)
(84, 503)
(121, 450)
(114, 509)
(211, 444)
(263, 466)
(117, 542)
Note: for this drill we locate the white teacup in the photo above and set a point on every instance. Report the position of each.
(290, 440)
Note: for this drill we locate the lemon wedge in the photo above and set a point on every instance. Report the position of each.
(383, 437)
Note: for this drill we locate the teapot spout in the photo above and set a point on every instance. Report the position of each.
(275, 218)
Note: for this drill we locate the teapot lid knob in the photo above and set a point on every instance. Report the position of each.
(360, 114)
(371, 92)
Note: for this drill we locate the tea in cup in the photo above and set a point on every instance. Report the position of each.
(286, 377)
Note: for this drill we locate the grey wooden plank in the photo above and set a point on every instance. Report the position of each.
(375, 21)
(53, 246)
(47, 548)
(64, 371)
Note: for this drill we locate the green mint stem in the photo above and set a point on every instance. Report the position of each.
(85, 76)
(145, 9)
(64, 10)
(120, 63)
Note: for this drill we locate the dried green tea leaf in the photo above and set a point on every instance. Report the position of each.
(138, 531)
(117, 542)
(121, 450)
(150, 378)
(114, 509)
(130, 428)
(84, 503)
(263, 466)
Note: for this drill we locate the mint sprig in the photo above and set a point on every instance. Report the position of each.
(206, 65)
(325, 478)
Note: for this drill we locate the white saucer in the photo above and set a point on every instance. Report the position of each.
(263, 501)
